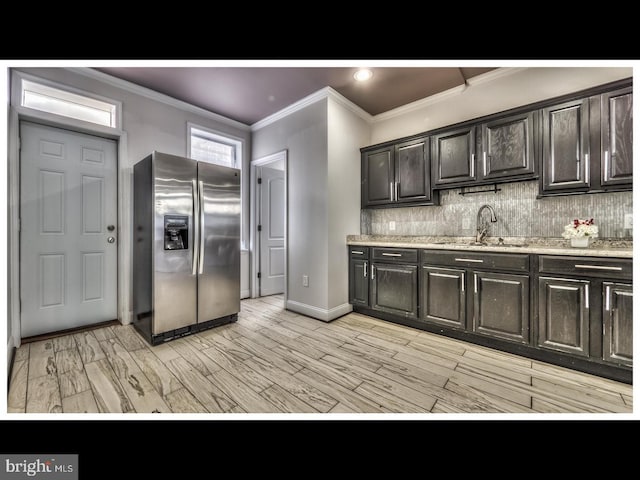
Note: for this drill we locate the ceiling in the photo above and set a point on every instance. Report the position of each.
(250, 94)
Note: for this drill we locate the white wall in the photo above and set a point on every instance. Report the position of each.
(490, 93)
(304, 135)
(323, 142)
(346, 133)
(150, 125)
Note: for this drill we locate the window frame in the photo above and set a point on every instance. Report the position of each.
(18, 95)
(219, 137)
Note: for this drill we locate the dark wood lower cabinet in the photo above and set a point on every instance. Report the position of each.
(359, 282)
(443, 298)
(618, 323)
(501, 305)
(563, 315)
(571, 311)
(394, 288)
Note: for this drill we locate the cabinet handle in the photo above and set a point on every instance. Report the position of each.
(475, 283)
(484, 163)
(385, 254)
(586, 296)
(365, 269)
(463, 282)
(391, 190)
(373, 272)
(586, 167)
(606, 164)
(473, 164)
(599, 267)
(473, 260)
(357, 252)
(607, 292)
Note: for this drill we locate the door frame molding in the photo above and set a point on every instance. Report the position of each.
(254, 210)
(124, 188)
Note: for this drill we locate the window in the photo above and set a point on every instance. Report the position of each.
(62, 102)
(210, 147)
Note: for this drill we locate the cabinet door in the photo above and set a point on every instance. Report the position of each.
(508, 147)
(359, 282)
(412, 172)
(618, 323)
(443, 296)
(617, 145)
(394, 289)
(453, 156)
(501, 305)
(563, 315)
(378, 176)
(565, 146)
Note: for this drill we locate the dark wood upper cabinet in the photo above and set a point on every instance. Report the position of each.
(412, 171)
(587, 144)
(453, 156)
(495, 151)
(617, 144)
(508, 147)
(398, 173)
(378, 176)
(565, 146)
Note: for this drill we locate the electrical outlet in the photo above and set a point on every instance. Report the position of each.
(392, 225)
(305, 280)
(466, 224)
(628, 220)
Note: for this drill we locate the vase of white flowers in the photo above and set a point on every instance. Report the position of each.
(580, 232)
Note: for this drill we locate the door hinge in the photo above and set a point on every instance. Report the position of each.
(259, 228)
(259, 274)
(259, 181)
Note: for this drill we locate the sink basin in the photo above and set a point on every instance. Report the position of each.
(476, 244)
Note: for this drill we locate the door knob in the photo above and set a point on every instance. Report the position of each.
(111, 239)
(111, 228)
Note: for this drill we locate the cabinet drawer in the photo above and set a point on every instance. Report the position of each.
(396, 254)
(611, 268)
(501, 261)
(358, 252)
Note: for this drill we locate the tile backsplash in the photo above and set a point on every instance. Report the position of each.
(519, 213)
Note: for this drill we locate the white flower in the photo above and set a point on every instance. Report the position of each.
(580, 228)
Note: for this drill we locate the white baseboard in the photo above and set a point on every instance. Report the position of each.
(245, 294)
(10, 346)
(319, 313)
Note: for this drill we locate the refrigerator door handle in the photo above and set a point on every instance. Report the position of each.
(201, 226)
(195, 244)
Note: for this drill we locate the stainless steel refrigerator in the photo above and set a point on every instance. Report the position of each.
(186, 252)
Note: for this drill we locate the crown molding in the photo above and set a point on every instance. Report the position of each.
(452, 92)
(153, 95)
(326, 92)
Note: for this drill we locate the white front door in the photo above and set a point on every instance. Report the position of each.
(68, 237)
(272, 225)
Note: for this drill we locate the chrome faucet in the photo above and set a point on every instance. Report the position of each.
(483, 228)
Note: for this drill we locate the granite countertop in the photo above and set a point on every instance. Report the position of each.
(622, 248)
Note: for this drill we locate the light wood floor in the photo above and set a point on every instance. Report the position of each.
(274, 361)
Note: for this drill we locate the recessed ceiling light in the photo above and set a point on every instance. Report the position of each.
(363, 74)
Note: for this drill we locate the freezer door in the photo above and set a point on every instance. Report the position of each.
(175, 281)
(219, 262)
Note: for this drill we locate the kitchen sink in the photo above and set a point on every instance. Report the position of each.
(475, 244)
